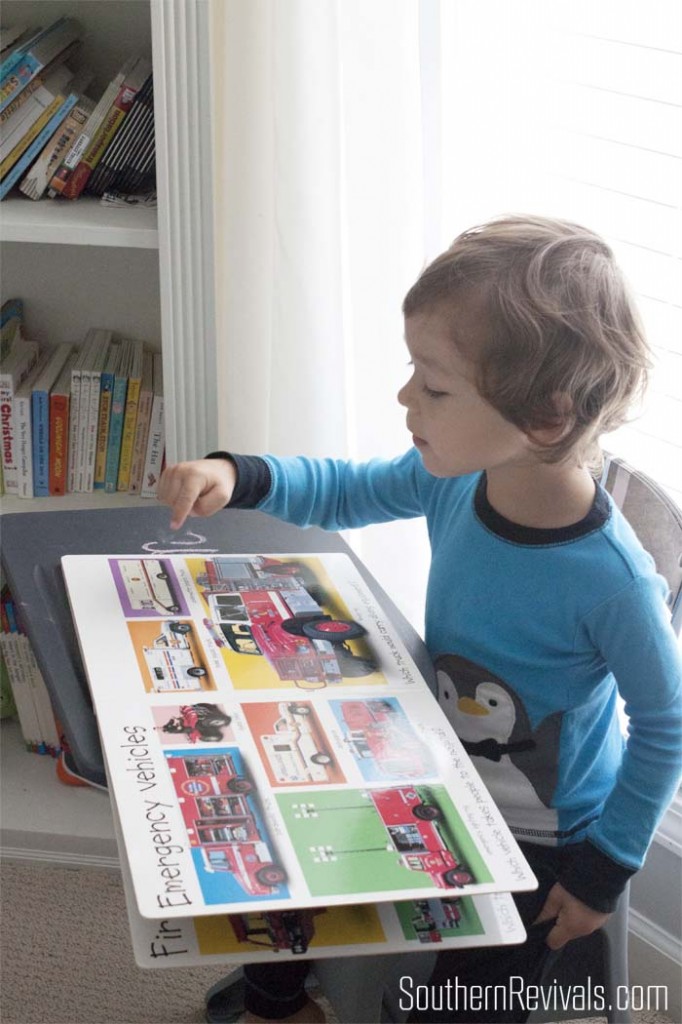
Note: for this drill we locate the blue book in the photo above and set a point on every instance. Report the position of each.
(118, 404)
(14, 58)
(36, 146)
(40, 419)
(107, 381)
(56, 42)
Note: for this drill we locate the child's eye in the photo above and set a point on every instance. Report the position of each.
(434, 394)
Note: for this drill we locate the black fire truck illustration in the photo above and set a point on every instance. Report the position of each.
(264, 606)
(214, 796)
(276, 930)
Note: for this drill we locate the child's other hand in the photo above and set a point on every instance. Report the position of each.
(573, 917)
(197, 488)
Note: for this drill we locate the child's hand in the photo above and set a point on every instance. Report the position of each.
(197, 488)
(573, 917)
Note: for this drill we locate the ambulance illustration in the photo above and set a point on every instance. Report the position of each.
(148, 585)
(296, 750)
(173, 660)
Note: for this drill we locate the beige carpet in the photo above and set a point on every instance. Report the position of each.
(66, 956)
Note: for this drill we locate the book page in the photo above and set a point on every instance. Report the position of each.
(271, 743)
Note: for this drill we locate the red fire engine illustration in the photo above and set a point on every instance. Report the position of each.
(417, 829)
(432, 917)
(377, 731)
(276, 930)
(268, 607)
(220, 819)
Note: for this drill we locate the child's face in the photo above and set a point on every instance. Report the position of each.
(454, 428)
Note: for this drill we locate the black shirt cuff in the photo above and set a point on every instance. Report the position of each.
(593, 877)
(253, 479)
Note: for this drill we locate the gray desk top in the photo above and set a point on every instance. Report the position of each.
(33, 544)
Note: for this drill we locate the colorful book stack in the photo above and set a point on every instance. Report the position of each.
(55, 139)
(78, 419)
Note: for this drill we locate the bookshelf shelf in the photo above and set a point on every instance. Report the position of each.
(71, 502)
(44, 820)
(83, 222)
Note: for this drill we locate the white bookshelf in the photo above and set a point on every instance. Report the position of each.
(140, 273)
(85, 222)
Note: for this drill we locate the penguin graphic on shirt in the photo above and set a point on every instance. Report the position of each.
(518, 764)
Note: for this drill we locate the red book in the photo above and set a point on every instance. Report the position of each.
(60, 396)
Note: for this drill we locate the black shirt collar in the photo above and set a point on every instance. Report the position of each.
(532, 535)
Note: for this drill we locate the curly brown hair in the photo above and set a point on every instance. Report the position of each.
(563, 343)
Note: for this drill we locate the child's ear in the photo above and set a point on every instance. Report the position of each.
(557, 423)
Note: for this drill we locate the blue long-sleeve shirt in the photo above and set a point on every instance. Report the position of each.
(533, 633)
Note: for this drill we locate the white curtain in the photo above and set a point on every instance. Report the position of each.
(320, 230)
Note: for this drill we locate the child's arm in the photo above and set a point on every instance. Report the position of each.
(633, 633)
(333, 494)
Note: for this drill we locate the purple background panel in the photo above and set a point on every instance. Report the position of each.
(141, 591)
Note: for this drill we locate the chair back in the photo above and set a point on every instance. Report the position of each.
(656, 520)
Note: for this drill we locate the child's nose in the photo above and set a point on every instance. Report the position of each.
(403, 394)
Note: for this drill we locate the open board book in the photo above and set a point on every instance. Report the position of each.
(271, 746)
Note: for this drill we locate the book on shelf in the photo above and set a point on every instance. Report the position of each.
(23, 428)
(130, 415)
(118, 404)
(40, 418)
(35, 181)
(12, 38)
(30, 59)
(11, 322)
(17, 133)
(14, 369)
(156, 437)
(79, 147)
(127, 154)
(105, 397)
(105, 339)
(36, 146)
(34, 707)
(112, 122)
(144, 411)
(60, 398)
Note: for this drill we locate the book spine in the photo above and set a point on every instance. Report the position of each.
(38, 176)
(40, 423)
(24, 441)
(79, 178)
(74, 413)
(140, 442)
(7, 428)
(128, 435)
(91, 439)
(30, 134)
(115, 432)
(41, 701)
(83, 419)
(155, 449)
(20, 100)
(36, 146)
(106, 390)
(21, 690)
(59, 439)
(19, 77)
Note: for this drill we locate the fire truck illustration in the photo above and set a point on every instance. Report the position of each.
(416, 828)
(264, 606)
(220, 820)
(296, 748)
(173, 661)
(276, 930)
(377, 731)
(148, 585)
(432, 917)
